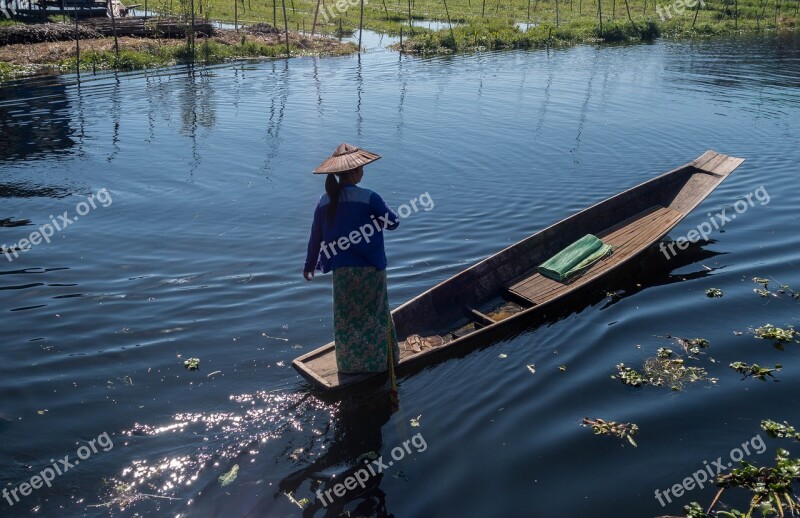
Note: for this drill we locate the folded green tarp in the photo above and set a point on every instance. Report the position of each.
(575, 258)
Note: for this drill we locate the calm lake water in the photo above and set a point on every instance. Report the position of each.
(199, 252)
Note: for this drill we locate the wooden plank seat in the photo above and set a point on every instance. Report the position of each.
(628, 238)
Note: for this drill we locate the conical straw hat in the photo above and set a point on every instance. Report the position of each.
(345, 158)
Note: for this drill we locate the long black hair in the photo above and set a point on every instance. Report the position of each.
(334, 189)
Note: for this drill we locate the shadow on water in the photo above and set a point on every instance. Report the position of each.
(357, 433)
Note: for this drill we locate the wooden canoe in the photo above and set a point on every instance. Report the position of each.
(505, 288)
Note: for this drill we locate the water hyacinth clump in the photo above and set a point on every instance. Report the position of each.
(770, 332)
(771, 486)
(780, 431)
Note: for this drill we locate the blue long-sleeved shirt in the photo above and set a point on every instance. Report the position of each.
(355, 237)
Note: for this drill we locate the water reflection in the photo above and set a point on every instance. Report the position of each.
(34, 120)
(359, 91)
(769, 65)
(278, 98)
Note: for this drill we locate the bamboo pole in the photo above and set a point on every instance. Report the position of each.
(314, 23)
(483, 10)
(114, 30)
(275, 13)
(286, 28)
(628, 8)
(360, 26)
(236, 15)
(410, 21)
(696, 12)
(529, 10)
(613, 9)
(77, 45)
(556, 13)
(450, 23)
(191, 6)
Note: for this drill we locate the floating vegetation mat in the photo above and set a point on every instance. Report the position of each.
(713, 293)
(666, 368)
(612, 428)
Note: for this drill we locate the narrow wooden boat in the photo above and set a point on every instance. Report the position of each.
(507, 288)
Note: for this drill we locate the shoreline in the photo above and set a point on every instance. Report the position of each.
(20, 60)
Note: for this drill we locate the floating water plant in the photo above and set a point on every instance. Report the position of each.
(629, 376)
(302, 503)
(612, 428)
(755, 370)
(771, 486)
(230, 476)
(192, 364)
(690, 345)
(780, 431)
(713, 293)
(783, 289)
(770, 332)
(663, 369)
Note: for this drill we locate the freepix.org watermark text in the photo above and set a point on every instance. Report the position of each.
(715, 222)
(56, 224)
(367, 230)
(708, 473)
(371, 469)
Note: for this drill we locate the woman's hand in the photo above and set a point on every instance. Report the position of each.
(308, 275)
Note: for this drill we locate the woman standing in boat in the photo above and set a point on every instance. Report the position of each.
(347, 238)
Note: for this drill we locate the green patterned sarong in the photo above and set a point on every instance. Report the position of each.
(361, 317)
